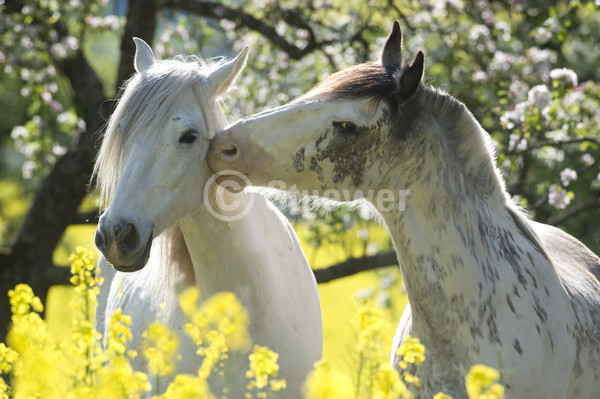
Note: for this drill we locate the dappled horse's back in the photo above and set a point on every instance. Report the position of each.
(578, 269)
(566, 250)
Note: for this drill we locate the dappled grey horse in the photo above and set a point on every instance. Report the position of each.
(485, 283)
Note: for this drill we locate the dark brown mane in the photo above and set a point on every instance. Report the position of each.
(369, 80)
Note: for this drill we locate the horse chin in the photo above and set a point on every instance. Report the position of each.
(138, 263)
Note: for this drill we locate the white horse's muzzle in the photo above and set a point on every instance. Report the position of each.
(125, 244)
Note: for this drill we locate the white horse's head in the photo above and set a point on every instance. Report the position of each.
(152, 163)
(342, 135)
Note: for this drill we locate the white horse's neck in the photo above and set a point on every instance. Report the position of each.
(258, 258)
(220, 254)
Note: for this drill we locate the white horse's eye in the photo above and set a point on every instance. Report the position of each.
(189, 136)
(345, 127)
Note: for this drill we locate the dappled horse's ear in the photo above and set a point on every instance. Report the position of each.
(392, 51)
(223, 76)
(144, 57)
(411, 76)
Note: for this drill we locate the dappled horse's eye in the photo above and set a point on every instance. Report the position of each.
(345, 127)
(189, 136)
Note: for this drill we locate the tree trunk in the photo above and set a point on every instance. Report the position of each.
(29, 258)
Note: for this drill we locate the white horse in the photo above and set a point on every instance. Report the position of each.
(160, 236)
(485, 284)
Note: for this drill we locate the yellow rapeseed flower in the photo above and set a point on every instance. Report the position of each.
(388, 384)
(481, 383)
(263, 366)
(28, 329)
(412, 352)
(278, 385)
(5, 392)
(213, 353)
(8, 357)
(22, 301)
(40, 372)
(188, 301)
(441, 395)
(159, 347)
(187, 386)
(371, 347)
(118, 334)
(221, 312)
(86, 281)
(118, 380)
(325, 382)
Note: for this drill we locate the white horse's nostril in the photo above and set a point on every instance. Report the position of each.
(100, 240)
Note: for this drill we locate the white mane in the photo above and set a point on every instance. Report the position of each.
(158, 88)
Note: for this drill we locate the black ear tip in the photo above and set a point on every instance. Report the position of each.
(396, 29)
(420, 57)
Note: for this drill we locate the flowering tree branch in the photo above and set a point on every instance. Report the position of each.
(558, 143)
(243, 19)
(574, 210)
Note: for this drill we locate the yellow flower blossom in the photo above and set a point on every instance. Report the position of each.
(8, 357)
(28, 329)
(85, 280)
(221, 312)
(159, 347)
(5, 392)
(325, 382)
(22, 301)
(441, 395)
(186, 386)
(372, 346)
(188, 301)
(40, 370)
(388, 384)
(481, 383)
(412, 352)
(278, 385)
(119, 380)
(212, 354)
(263, 366)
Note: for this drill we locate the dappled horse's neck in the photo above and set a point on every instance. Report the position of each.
(454, 253)
(456, 237)
(465, 145)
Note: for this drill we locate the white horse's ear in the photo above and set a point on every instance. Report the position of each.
(392, 51)
(221, 78)
(144, 57)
